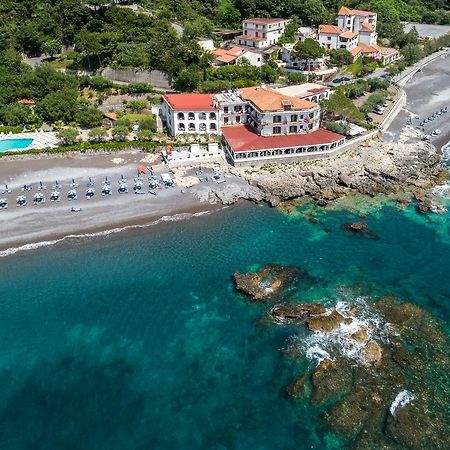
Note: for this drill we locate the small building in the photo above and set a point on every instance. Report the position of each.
(389, 55)
(245, 147)
(305, 33)
(272, 113)
(224, 57)
(293, 63)
(333, 37)
(261, 33)
(190, 113)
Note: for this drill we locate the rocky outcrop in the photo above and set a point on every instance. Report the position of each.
(292, 313)
(271, 282)
(384, 169)
(327, 323)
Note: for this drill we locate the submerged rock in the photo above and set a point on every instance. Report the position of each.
(360, 228)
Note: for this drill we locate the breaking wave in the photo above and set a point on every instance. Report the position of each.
(319, 346)
(401, 400)
(79, 237)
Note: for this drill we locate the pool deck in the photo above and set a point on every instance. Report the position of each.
(43, 139)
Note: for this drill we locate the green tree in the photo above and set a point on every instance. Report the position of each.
(289, 31)
(68, 136)
(411, 53)
(340, 57)
(88, 115)
(59, 105)
(295, 78)
(145, 135)
(136, 106)
(97, 134)
(188, 79)
(148, 124)
(339, 106)
(269, 74)
(120, 133)
(52, 47)
(308, 50)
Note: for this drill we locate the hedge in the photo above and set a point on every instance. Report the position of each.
(86, 146)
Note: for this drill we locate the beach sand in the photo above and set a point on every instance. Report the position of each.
(427, 92)
(55, 220)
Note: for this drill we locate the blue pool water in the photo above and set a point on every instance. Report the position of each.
(139, 341)
(14, 144)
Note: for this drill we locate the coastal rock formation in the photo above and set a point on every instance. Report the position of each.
(271, 282)
(381, 368)
(381, 169)
(292, 313)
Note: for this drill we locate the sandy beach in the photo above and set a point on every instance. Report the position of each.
(427, 92)
(55, 220)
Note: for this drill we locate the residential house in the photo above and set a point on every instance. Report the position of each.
(261, 33)
(224, 57)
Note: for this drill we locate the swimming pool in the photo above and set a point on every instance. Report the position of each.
(14, 144)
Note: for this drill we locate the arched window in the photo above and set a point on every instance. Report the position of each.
(202, 116)
(180, 116)
(212, 116)
(191, 127)
(202, 127)
(191, 116)
(212, 127)
(181, 127)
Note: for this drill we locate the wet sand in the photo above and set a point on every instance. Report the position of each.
(55, 220)
(427, 92)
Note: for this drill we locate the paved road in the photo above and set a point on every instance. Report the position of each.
(427, 30)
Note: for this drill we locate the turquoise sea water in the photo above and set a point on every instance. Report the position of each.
(139, 341)
(14, 144)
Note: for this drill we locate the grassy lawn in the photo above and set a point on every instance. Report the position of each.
(354, 68)
(137, 117)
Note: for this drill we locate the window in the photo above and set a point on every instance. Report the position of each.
(276, 130)
(238, 109)
(329, 38)
(212, 126)
(191, 127)
(225, 109)
(181, 127)
(212, 116)
(287, 107)
(293, 129)
(202, 127)
(238, 119)
(225, 120)
(191, 116)
(294, 118)
(180, 116)
(202, 116)
(276, 119)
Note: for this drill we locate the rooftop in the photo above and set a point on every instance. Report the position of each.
(242, 138)
(348, 35)
(366, 26)
(191, 102)
(264, 21)
(331, 29)
(270, 100)
(302, 90)
(344, 11)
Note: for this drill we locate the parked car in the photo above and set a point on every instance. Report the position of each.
(369, 119)
(378, 110)
(345, 79)
(385, 104)
(337, 80)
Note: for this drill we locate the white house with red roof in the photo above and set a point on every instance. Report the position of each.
(261, 33)
(334, 37)
(190, 113)
(224, 57)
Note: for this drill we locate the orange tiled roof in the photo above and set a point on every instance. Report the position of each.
(251, 38)
(363, 48)
(387, 51)
(110, 115)
(26, 101)
(348, 35)
(226, 59)
(330, 29)
(269, 100)
(344, 11)
(355, 51)
(366, 26)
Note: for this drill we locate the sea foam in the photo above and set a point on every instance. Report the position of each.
(77, 237)
(401, 400)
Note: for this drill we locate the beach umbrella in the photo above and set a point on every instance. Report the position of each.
(141, 169)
